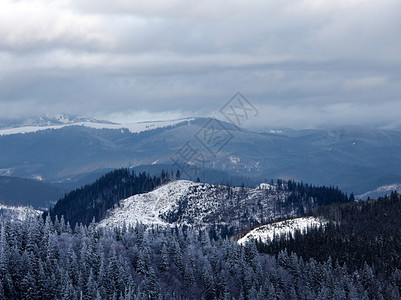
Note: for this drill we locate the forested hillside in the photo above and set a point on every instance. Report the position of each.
(16, 191)
(92, 201)
(47, 260)
(356, 256)
(349, 157)
(179, 202)
(361, 237)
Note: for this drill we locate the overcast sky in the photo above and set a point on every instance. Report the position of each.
(302, 63)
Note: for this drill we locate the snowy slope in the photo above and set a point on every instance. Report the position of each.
(266, 233)
(147, 208)
(186, 202)
(17, 213)
(380, 191)
(132, 127)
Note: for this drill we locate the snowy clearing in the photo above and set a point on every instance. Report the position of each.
(131, 127)
(266, 233)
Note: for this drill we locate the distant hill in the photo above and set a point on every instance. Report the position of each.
(353, 158)
(122, 196)
(380, 191)
(45, 121)
(16, 191)
(357, 235)
(183, 202)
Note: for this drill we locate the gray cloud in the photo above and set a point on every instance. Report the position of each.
(306, 63)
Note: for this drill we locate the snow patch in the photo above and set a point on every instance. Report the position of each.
(266, 186)
(273, 131)
(5, 172)
(235, 159)
(18, 213)
(380, 191)
(38, 177)
(266, 233)
(147, 208)
(131, 127)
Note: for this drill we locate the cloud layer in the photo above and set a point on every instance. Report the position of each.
(308, 63)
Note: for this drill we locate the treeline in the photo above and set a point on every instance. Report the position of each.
(92, 201)
(323, 195)
(48, 260)
(361, 237)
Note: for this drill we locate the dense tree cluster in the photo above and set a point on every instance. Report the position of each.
(323, 195)
(47, 260)
(363, 237)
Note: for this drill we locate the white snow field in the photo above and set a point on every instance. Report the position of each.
(266, 233)
(131, 127)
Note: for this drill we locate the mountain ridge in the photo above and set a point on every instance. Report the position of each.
(60, 121)
(355, 159)
(16, 191)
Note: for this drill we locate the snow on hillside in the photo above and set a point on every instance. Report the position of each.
(147, 208)
(157, 207)
(267, 232)
(186, 202)
(266, 186)
(17, 213)
(131, 127)
(380, 191)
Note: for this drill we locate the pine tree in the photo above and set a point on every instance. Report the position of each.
(4, 252)
(91, 287)
(151, 285)
(112, 272)
(72, 266)
(165, 262)
(208, 282)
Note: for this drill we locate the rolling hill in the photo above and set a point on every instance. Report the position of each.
(353, 158)
(26, 192)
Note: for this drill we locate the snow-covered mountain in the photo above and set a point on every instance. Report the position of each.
(380, 191)
(18, 213)
(61, 121)
(72, 149)
(268, 232)
(199, 204)
(47, 120)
